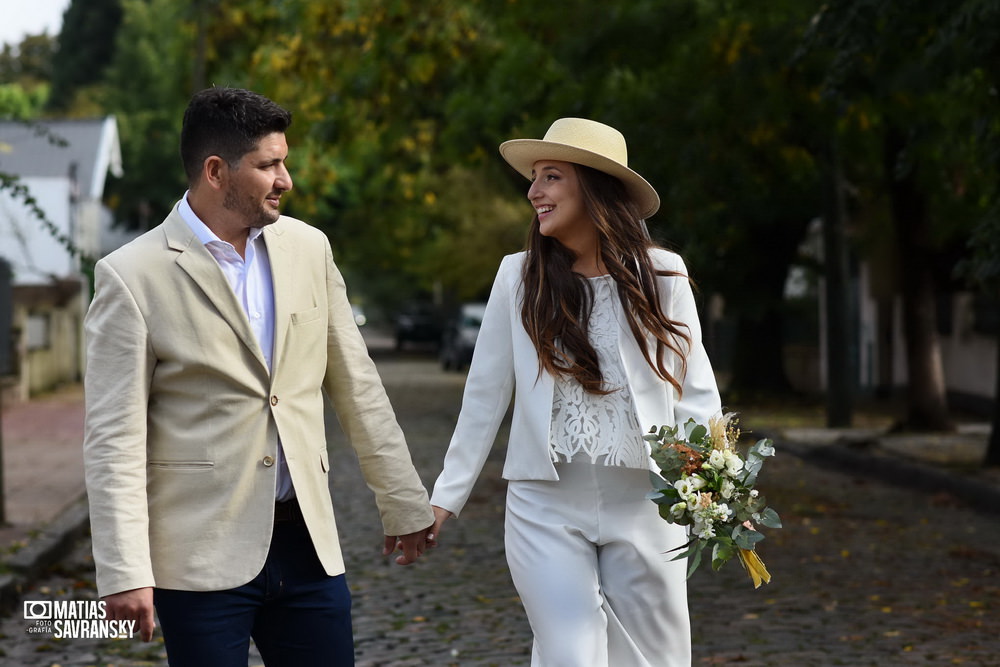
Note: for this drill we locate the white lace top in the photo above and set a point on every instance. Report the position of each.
(601, 429)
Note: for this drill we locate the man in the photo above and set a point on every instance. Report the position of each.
(211, 340)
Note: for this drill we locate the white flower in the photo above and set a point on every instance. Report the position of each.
(754, 493)
(733, 462)
(727, 489)
(684, 487)
(688, 486)
(716, 459)
(704, 530)
(677, 510)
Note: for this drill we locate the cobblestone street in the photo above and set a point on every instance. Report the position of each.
(864, 573)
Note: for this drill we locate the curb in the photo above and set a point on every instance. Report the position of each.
(53, 542)
(980, 496)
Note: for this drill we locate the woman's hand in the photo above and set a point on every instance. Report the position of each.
(440, 516)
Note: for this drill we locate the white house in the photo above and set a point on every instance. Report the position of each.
(64, 165)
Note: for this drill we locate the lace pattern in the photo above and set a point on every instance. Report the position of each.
(588, 427)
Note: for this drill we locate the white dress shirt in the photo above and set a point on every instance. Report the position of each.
(250, 278)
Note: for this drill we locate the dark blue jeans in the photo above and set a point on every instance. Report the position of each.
(297, 615)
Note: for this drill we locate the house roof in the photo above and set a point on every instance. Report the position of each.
(49, 149)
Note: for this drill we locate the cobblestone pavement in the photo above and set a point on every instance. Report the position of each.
(864, 573)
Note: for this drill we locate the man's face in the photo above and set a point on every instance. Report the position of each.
(256, 184)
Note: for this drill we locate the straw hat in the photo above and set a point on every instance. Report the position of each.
(585, 142)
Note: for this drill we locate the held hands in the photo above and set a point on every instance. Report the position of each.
(135, 605)
(414, 544)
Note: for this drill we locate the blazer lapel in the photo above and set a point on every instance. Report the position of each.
(282, 270)
(199, 264)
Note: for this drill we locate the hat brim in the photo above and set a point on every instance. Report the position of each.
(522, 154)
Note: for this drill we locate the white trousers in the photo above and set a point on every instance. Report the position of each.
(588, 556)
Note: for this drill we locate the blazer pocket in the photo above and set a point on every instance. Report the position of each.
(305, 316)
(182, 466)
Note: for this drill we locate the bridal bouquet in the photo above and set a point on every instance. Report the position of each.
(704, 483)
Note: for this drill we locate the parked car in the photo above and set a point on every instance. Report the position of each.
(459, 339)
(418, 322)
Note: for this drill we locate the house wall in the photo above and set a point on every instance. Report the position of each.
(48, 330)
(968, 356)
(34, 254)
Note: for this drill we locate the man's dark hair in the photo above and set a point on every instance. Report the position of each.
(228, 122)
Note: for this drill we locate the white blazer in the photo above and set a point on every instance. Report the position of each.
(505, 361)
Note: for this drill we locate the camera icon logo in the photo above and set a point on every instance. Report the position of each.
(37, 610)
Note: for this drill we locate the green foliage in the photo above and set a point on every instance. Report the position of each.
(146, 87)
(399, 106)
(20, 103)
(28, 63)
(86, 47)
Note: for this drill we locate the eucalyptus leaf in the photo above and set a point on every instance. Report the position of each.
(658, 482)
(698, 433)
(746, 538)
(770, 518)
(721, 553)
(695, 558)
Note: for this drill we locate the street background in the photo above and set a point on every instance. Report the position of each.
(864, 572)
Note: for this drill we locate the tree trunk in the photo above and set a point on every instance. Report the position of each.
(840, 372)
(926, 401)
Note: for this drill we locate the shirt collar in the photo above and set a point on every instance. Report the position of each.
(202, 231)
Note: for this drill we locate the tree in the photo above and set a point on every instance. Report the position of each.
(25, 69)
(86, 46)
(146, 86)
(888, 65)
(970, 44)
(28, 63)
(732, 130)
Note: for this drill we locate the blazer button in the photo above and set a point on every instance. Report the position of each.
(274, 400)
(268, 461)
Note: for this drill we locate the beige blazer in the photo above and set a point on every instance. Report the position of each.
(183, 417)
(505, 363)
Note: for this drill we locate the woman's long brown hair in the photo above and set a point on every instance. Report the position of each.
(557, 301)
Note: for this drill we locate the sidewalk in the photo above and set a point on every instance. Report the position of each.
(43, 484)
(949, 464)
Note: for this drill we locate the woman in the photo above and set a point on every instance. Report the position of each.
(594, 330)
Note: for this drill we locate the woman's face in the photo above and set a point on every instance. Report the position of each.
(555, 194)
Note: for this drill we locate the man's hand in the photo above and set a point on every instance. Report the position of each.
(412, 546)
(134, 605)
